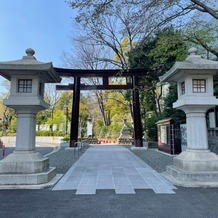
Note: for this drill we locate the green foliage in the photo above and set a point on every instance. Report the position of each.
(128, 95)
(41, 117)
(100, 131)
(83, 115)
(64, 100)
(116, 108)
(9, 132)
(9, 118)
(117, 105)
(151, 127)
(48, 133)
(13, 125)
(57, 117)
(215, 87)
(159, 52)
(139, 57)
(66, 138)
(114, 130)
(170, 112)
(203, 35)
(169, 48)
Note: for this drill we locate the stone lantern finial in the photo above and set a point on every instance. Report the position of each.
(30, 52)
(193, 51)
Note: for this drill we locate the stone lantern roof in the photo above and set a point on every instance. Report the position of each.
(193, 64)
(28, 65)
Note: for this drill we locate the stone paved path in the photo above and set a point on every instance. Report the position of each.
(112, 167)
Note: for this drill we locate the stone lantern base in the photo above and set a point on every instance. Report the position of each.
(194, 168)
(26, 168)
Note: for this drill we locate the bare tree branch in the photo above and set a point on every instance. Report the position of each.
(204, 8)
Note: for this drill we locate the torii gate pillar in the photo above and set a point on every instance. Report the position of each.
(136, 114)
(75, 113)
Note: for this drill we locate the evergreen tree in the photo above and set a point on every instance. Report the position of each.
(158, 53)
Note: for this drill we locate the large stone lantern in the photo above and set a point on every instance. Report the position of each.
(28, 76)
(197, 165)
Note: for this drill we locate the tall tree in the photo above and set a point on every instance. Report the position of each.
(89, 56)
(95, 8)
(202, 32)
(109, 24)
(168, 110)
(51, 97)
(159, 52)
(136, 19)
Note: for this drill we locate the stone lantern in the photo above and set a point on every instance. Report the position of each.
(125, 134)
(28, 76)
(196, 166)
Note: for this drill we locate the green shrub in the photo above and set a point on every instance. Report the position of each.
(66, 138)
(48, 133)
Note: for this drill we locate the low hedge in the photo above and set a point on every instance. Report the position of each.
(48, 133)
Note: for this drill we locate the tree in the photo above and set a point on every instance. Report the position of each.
(118, 26)
(202, 32)
(137, 19)
(197, 19)
(57, 118)
(159, 12)
(159, 52)
(203, 7)
(90, 56)
(51, 97)
(107, 25)
(41, 118)
(168, 110)
(96, 8)
(83, 115)
(64, 100)
(64, 104)
(9, 117)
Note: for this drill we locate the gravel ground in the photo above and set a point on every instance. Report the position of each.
(63, 159)
(154, 158)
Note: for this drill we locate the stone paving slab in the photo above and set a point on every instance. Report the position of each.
(112, 167)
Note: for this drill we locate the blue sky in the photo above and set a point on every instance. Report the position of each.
(44, 25)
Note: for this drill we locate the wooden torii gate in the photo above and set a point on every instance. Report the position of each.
(77, 74)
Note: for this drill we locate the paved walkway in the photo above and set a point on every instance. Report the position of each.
(112, 167)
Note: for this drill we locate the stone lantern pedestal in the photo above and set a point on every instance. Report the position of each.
(25, 166)
(196, 166)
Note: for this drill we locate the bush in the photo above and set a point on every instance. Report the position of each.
(48, 133)
(9, 132)
(66, 138)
